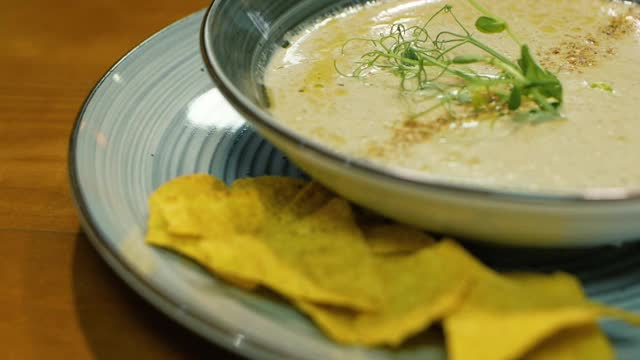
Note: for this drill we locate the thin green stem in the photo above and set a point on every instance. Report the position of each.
(514, 69)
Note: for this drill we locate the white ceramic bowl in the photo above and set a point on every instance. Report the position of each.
(237, 36)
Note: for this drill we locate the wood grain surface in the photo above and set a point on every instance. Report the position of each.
(59, 300)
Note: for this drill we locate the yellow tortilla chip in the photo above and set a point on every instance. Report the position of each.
(506, 317)
(243, 234)
(273, 192)
(240, 258)
(240, 283)
(314, 233)
(176, 203)
(582, 343)
(396, 239)
(328, 247)
(309, 199)
(419, 290)
(496, 335)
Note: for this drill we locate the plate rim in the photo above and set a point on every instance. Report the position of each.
(214, 333)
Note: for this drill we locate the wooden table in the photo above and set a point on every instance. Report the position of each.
(59, 300)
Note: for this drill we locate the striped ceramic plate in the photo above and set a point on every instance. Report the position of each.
(156, 115)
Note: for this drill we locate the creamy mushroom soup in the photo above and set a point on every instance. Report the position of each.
(318, 86)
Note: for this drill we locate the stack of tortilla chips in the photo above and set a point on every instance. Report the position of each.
(365, 281)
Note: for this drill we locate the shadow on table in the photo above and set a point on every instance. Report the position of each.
(119, 324)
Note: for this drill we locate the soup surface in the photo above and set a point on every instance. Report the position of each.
(592, 46)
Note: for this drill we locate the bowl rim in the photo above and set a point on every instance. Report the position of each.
(261, 118)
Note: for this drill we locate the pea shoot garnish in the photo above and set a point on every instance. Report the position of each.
(477, 76)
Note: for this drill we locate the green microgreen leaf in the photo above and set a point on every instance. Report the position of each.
(601, 86)
(490, 25)
(542, 82)
(515, 99)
